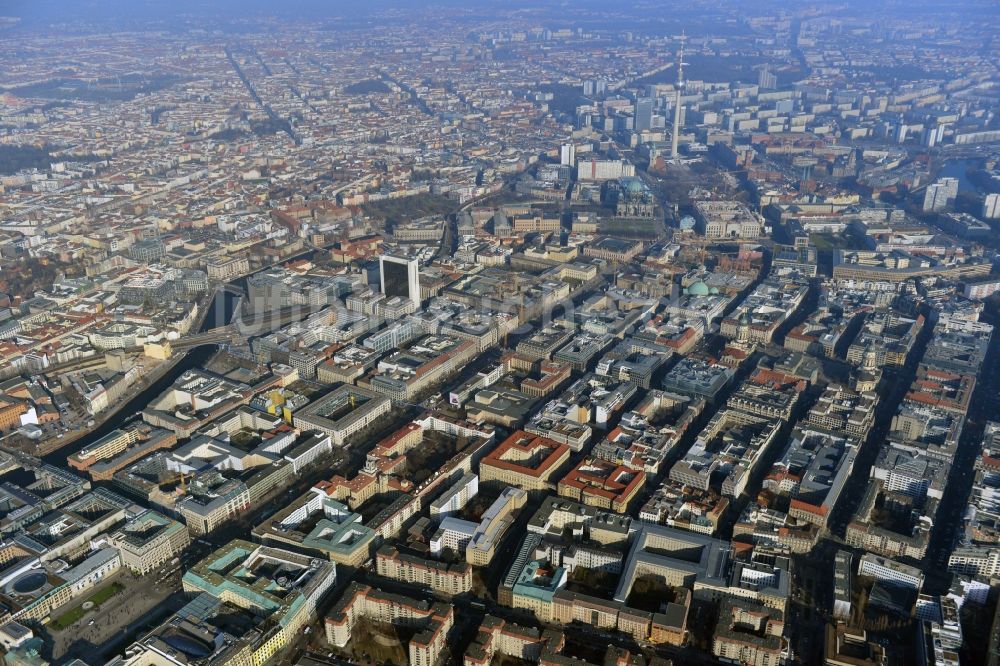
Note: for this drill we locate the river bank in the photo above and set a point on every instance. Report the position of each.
(218, 313)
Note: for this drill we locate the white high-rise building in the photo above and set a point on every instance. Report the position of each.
(567, 154)
(643, 114)
(991, 207)
(400, 277)
(940, 194)
(767, 79)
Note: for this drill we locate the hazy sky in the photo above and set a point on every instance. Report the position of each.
(131, 13)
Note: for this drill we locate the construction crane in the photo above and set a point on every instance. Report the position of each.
(182, 477)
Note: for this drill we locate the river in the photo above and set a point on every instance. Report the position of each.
(221, 312)
(956, 169)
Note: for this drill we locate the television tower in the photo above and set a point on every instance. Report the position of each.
(677, 98)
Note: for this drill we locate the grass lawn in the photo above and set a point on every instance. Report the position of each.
(844, 241)
(68, 618)
(827, 242)
(77, 612)
(101, 596)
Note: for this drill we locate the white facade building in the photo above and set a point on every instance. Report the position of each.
(453, 534)
(940, 194)
(884, 569)
(456, 497)
(400, 277)
(991, 207)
